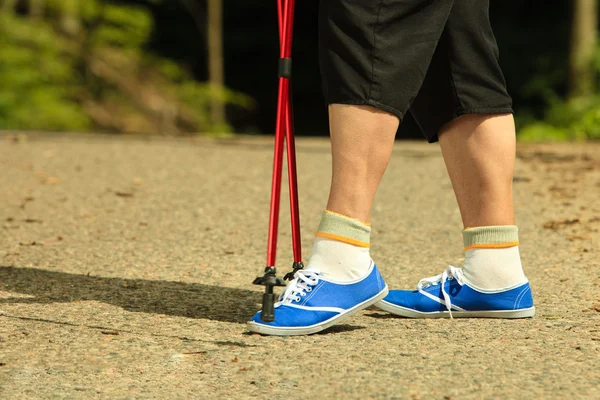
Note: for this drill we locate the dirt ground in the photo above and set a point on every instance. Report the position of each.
(126, 267)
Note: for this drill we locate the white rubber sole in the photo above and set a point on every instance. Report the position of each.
(307, 330)
(408, 313)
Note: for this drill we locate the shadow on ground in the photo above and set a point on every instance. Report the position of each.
(190, 300)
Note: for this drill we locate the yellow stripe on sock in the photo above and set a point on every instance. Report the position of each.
(343, 239)
(345, 216)
(492, 245)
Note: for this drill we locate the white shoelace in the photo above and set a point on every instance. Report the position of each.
(300, 285)
(449, 274)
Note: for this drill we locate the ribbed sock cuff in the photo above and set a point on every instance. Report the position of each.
(344, 229)
(491, 237)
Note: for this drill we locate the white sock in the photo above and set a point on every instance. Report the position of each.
(339, 261)
(341, 249)
(492, 259)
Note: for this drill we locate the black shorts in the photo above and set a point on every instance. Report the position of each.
(436, 58)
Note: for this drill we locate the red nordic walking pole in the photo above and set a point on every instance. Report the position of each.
(284, 129)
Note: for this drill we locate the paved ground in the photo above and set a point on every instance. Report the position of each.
(125, 270)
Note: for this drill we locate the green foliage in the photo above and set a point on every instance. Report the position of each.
(36, 79)
(127, 27)
(86, 66)
(541, 131)
(563, 119)
(577, 119)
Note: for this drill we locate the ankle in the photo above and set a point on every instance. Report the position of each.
(492, 258)
(341, 249)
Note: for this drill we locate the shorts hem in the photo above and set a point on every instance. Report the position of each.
(489, 110)
(372, 103)
(464, 111)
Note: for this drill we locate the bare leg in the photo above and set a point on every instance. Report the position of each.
(479, 151)
(362, 139)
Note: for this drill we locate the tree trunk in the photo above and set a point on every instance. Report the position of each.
(582, 71)
(215, 61)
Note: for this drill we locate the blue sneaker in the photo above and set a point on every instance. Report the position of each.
(448, 295)
(311, 303)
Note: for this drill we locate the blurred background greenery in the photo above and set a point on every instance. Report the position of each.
(178, 67)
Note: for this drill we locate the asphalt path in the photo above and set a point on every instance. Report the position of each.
(126, 267)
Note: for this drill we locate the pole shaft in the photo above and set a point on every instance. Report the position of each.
(293, 180)
(277, 168)
(284, 130)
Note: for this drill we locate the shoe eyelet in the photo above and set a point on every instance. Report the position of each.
(303, 294)
(309, 289)
(297, 298)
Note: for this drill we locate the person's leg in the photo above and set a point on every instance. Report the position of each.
(340, 278)
(479, 151)
(362, 139)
